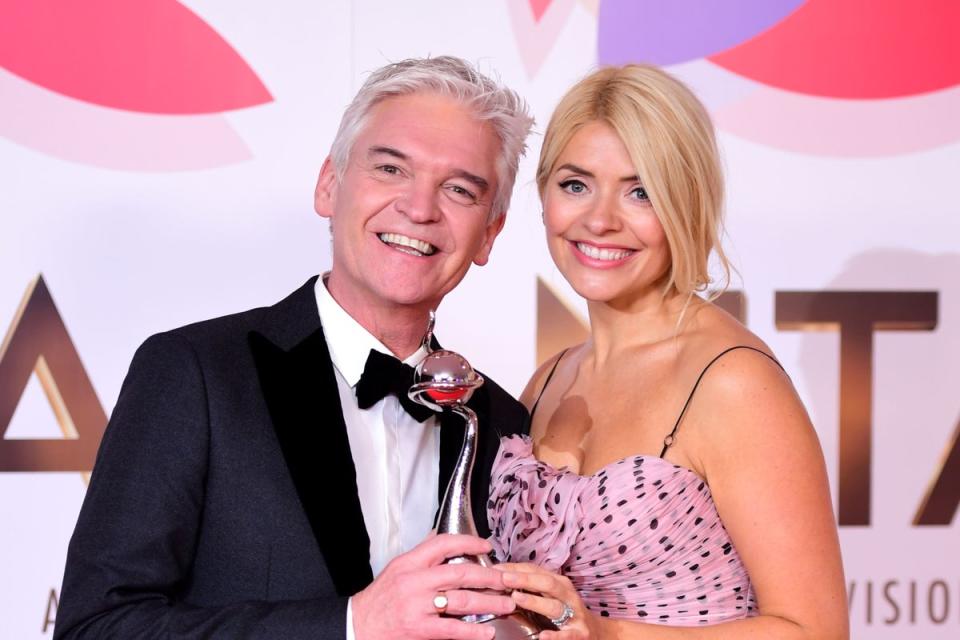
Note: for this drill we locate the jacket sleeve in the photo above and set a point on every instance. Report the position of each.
(133, 547)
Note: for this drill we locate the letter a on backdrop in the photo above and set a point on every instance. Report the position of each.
(38, 342)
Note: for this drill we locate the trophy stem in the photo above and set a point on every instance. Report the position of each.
(456, 515)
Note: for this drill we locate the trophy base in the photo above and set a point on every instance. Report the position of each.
(519, 625)
(516, 626)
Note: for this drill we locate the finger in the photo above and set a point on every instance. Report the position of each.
(436, 549)
(541, 581)
(461, 602)
(566, 633)
(526, 568)
(462, 575)
(549, 607)
(520, 567)
(453, 629)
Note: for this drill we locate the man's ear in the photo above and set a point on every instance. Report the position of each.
(490, 234)
(325, 194)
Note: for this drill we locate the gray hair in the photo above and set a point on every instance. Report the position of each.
(502, 107)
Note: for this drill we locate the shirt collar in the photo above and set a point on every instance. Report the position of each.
(348, 342)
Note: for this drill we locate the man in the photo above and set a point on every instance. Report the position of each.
(250, 485)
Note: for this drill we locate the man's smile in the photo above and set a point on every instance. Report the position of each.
(406, 244)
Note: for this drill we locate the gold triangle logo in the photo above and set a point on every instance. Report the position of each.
(558, 326)
(38, 342)
(734, 303)
(942, 499)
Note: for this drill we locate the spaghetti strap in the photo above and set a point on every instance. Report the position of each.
(544, 387)
(672, 436)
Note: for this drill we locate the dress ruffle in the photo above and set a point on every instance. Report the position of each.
(534, 510)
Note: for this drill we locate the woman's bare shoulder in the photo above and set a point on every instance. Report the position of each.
(742, 386)
(739, 362)
(746, 396)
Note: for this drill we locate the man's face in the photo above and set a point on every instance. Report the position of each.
(411, 212)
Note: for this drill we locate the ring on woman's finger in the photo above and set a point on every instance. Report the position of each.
(440, 602)
(565, 616)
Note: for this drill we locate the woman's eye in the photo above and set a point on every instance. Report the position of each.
(573, 186)
(640, 194)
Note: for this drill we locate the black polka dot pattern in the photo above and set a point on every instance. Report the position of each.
(661, 557)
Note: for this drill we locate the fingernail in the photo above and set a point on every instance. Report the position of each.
(510, 579)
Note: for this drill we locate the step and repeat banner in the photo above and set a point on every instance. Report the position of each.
(157, 164)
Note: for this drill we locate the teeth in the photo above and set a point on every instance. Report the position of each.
(602, 254)
(408, 245)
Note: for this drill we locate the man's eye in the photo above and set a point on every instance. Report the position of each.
(573, 186)
(462, 193)
(389, 168)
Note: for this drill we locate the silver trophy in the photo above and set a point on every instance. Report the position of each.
(444, 380)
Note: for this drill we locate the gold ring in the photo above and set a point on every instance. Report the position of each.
(440, 602)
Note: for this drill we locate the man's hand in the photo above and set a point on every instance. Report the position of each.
(399, 603)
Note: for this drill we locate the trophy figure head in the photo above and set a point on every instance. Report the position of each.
(444, 379)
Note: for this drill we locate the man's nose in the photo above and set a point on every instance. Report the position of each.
(418, 202)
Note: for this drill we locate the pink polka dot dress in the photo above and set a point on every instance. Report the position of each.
(641, 539)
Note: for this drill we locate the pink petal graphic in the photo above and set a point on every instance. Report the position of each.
(844, 128)
(865, 49)
(151, 56)
(80, 132)
(539, 7)
(536, 35)
(714, 86)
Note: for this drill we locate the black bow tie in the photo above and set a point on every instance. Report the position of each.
(384, 375)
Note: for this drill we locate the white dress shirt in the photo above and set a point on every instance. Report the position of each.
(396, 457)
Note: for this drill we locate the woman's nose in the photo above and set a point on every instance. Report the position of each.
(602, 217)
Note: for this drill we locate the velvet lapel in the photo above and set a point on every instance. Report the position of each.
(300, 389)
(451, 440)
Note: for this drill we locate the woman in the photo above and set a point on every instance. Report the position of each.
(672, 477)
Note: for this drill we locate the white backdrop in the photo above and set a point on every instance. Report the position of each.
(128, 249)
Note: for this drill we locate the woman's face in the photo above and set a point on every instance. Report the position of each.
(602, 231)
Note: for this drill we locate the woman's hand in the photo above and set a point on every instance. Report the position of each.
(545, 592)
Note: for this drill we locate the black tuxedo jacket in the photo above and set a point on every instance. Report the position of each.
(223, 502)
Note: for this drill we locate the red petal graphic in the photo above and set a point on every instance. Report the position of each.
(153, 56)
(856, 49)
(539, 7)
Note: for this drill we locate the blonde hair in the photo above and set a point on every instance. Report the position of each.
(671, 141)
